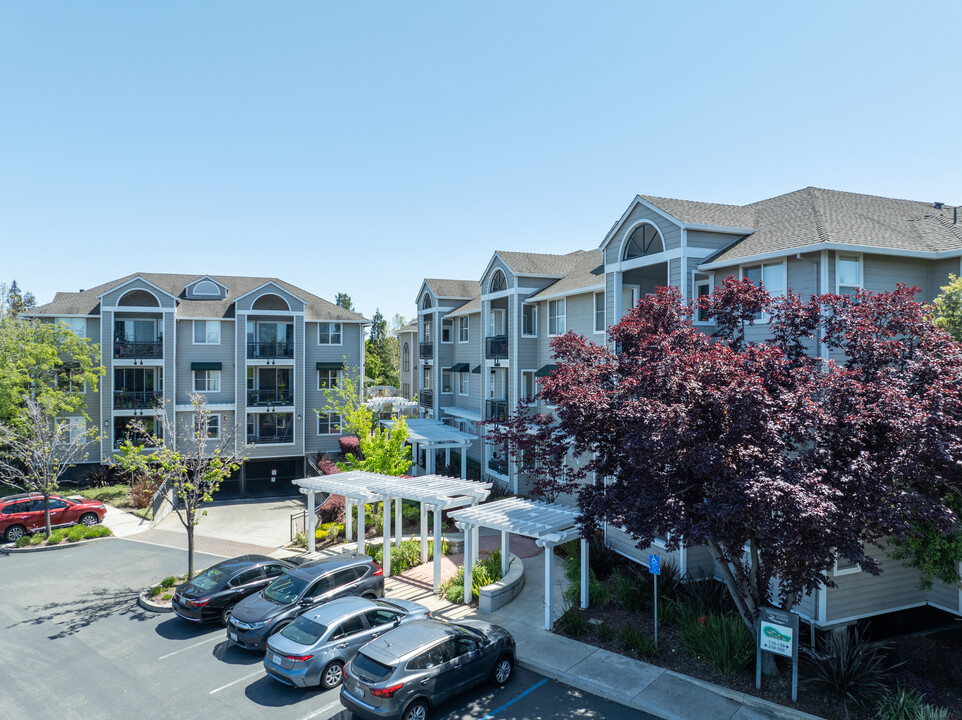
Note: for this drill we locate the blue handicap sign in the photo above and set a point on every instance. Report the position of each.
(654, 565)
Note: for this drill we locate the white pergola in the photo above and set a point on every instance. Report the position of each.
(548, 523)
(434, 492)
(397, 404)
(434, 435)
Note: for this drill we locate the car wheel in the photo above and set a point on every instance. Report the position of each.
(333, 675)
(88, 519)
(418, 710)
(225, 614)
(14, 533)
(501, 672)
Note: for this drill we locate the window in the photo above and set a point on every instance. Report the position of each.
(76, 427)
(328, 423)
(463, 329)
(206, 332)
(151, 427)
(327, 379)
(349, 627)
(213, 426)
(644, 240)
(464, 383)
(206, 380)
(848, 274)
(406, 390)
(206, 287)
(529, 320)
(447, 326)
(445, 381)
(426, 378)
(135, 331)
(599, 312)
(406, 358)
(702, 289)
(380, 617)
(78, 326)
(427, 302)
(529, 387)
(497, 282)
(270, 427)
(70, 378)
(771, 275)
(329, 333)
(556, 317)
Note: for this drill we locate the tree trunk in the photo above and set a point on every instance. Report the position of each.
(46, 513)
(190, 552)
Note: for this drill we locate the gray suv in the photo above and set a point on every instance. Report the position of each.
(257, 617)
(405, 672)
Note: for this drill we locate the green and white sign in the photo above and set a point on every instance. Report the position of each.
(777, 634)
(776, 639)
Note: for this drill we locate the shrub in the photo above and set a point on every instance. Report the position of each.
(598, 593)
(708, 595)
(634, 641)
(75, 534)
(166, 596)
(36, 538)
(574, 623)
(56, 537)
(103, 476)
(906, 704)
(142, 491)
(406, 555)
(168, 582)
(95, 531)
(24, 540)
(332, 509)
(331, 531)
(722, 640)
(411, 511)
(629, 590)
(604, 631)
(602, 558)
(350, 444)
(670, 582)
(486, 570)
(849, 666)
(155, 591)
(326, 466)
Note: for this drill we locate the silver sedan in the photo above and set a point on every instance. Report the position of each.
(312, 650)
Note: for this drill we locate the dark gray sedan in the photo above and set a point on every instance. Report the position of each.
(404, 673)
(312, 650)
(259, 616)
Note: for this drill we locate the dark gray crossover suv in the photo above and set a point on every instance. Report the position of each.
(257, 617)
(404, 673)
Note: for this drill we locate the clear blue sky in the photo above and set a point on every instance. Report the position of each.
(361, 146)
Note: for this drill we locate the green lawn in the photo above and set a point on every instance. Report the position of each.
(110, 494)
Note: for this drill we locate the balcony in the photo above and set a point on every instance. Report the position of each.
(496, 410)
(139, 350)
(276, 438)
(270, 349)
(498, 465)
(426, 399)
(426, 350)
(496, 347)
(262, 398)
(136, 399)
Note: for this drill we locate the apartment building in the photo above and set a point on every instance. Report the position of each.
(260, 350)
(811, 241)
(408, 346)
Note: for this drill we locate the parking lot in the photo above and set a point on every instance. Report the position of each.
(75, 644)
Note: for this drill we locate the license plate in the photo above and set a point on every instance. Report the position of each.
(233, 636)
(358, 690)
(275, 658)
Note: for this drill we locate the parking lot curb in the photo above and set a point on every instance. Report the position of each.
(147, 604)
(10, 550)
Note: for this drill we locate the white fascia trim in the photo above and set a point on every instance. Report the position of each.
(508, 292)
(459, 412)
(465, 313)
(616, 228)
(840, 247)
(133, 279)
(59, 315)
(487, 269)
(281, 313)
(539, 275)
(269, 283)
(645, 261)
(193, 319)
(719, 229)
(136, 309)
(568, 293)
(206, 277)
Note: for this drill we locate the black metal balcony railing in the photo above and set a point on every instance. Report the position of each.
(138, 439)
(136, 399)
(286, 436)
(274, 349)
(496, 347)
(496, 410)
(426, 350)
(426, 398)
(498, 465)
(260, 398)
(139, 350)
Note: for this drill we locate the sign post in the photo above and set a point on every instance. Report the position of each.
(654, 567)
(777, 633)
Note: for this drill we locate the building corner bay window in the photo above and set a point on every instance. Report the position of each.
(556, 317)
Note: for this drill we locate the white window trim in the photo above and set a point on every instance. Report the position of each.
(838, 572)
(330, 344)
(694, 288)
(861, 269)
(467, 383)
(534, 380)
(466, 321)
(450, 390)
(766, 317)
(523, 333)
(75, 423)
(219, 423)
(329, 434)
(565, 316)
(193, 330)
(193, 380)
(338, 379)
(594, 312)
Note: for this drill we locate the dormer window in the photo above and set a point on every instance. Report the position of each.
(206, 287)
(644, 240)
(426, 304)
(498, 282)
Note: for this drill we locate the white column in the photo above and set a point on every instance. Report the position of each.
(398, 517)
(386, 521)
(584, 573)
(447, 456)
(504, 553)
(548, 562)
(437, 549)
(415, 450)
(348, 520)
(424, 533)
(468, 563)
(464, 462)
(311, 522)
(475, 543)
(429, 461)
(360, 528)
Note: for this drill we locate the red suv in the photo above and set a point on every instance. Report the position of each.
(20, 514)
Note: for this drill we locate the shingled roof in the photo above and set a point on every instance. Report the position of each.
(544, 264)
(586, 270)
(87, 302)
(457, 289)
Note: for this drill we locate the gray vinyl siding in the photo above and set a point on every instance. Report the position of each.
(470, 353)
(670, 232)
(803, 274)
(349, 353)
(947, 597)
(883, 272)
(622, 543)
(188, 352)
(111, 298)
(939, 271)
(711, 240)
(609, 299)
(860, 594)
(185, 427)
(497, 264)
(674, 272)
(244, 304)
(580, 314)
(700, 563)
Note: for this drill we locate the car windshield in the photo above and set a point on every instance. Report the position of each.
(304, 631)
(209, 579)
(370, 669)
(285, 589)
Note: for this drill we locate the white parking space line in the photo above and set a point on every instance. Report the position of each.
(190, 647)
(246, 677)
(327, 708)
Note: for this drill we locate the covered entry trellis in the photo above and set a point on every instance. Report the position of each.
(434, 435)
(548, 523)
(434, 492)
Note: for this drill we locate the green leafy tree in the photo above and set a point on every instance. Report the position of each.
(947, 308)
(384, 451)
(344, 300)
(48, 363)
(188, 477)
(37, 451)
(373, 366)
(347, 401)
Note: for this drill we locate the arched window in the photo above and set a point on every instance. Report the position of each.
(406, 356)
(270, 302)
(139, 298)
(497, 282)
(426, 303)
(644, 240)
(206, 287)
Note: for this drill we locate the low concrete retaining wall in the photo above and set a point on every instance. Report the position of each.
(496, 595)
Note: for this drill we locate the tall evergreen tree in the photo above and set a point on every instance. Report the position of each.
(344, 300)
